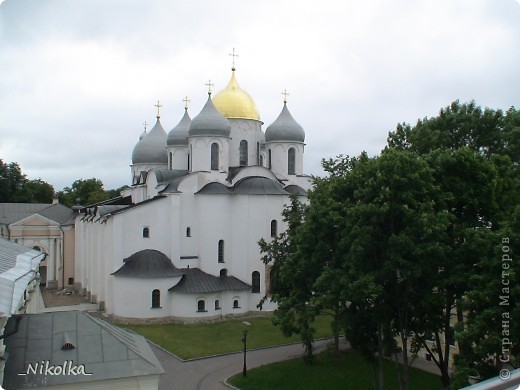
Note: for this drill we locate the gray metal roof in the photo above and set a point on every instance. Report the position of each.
(167, 175)
(253, 185)
(148, 263)
(106, 351)
(9, 251)
(151, 149)
(295, 189)
(13, 212)
(209, 122)
(285, 128)
(179, 134)
(197, 281)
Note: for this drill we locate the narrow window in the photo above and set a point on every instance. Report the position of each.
(261, 160)
(221, 251)
(217, 304)
(156, 298)
(258, 157)
(291, 157)
(201, 305)
(188, 232)
(214, 157)
(255, 282)
(189, 161)
(274, 228)
(243, 153)
(171, 160)
(146, 232)
(223, 272)
(235, 304)
(270, 160)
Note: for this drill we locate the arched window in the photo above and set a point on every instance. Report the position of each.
(171, 160)
(243, 153)
(261, 160)
(188, 232)
(291, 157)
(201, 305)
(214, 157)
(269, 160)
(255, 282)
(146, 232)
(156, 298)
(217, 304)
(220, 253)
(258, 153)
(235, 304)
(223, 272)
(274, 228)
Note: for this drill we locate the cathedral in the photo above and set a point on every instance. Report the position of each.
(182, 241)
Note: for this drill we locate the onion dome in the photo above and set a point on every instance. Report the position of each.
(143, 134)
(234, 102)
(285, 128)
(209, 122)
(179, 134)
(151, 149)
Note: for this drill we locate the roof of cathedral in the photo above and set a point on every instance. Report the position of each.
(151, 149)
(285, 128)
(253, 185)
(179, 134)
(209, 122)
(295, 189)
(198, 281)
(167, 175)
(234, 102)
(106, 351)
(148, 263)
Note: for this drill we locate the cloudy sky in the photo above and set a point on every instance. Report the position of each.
(78, 78)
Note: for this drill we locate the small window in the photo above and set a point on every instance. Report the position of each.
(243, 153)
(261, 160)
(235, 304)
(291, 157)
(270, 160)
(274, 228)
(71, 281)
(221, 251)
(217, 304)
(223, 272)
(255, 282)
(146, 232)
(201, 305)
(214, 157)
(156, 299)
(188, 232)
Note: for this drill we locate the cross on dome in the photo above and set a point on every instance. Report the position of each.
(233, 55)
(158, 105)
(209, 84)
(186, 102)
(145, 124)
(285, 94)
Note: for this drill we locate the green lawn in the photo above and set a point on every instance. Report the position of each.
(348, 371)
(204, 339)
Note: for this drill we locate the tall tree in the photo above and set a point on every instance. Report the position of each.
(87, 191)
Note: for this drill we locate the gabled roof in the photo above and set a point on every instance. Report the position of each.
(197, 281)
(13, 212)
(106, 351)
(148, 263)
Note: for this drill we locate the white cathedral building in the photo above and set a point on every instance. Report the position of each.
(182, 241)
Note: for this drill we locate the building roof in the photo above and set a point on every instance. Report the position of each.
(285, 128)
(234, 102)
(197, 281)
(252, 185)
(151, 149)
(209, 122)
(18, 266)
(106, 351)
(295, 189)
(148, 263)
(13, 212)
(178, 136)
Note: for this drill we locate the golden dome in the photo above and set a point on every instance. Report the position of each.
(234, 102)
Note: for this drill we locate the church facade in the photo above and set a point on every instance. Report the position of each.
(182, 241)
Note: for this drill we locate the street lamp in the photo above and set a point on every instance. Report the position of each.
(244, 340)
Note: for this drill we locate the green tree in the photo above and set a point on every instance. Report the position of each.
(88, 191)
(16, 188)
(39, 191)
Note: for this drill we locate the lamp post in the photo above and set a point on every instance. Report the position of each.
(244, 340)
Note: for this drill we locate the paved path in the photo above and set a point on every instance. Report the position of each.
(210, 373)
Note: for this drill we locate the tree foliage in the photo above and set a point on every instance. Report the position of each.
(16, 188)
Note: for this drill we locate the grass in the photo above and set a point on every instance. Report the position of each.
(347, 371)
(190, 341)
